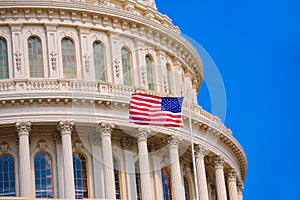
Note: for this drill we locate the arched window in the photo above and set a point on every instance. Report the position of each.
(80, 176)
(7, 176)
(127, 66)
(68, 57)
(166, 182)
(43, 176)
(186, 189)
(117, 179)
(150, 73)
(169, 78)
(138, 181)
(3, 59)
(99, 64)
(35, 53)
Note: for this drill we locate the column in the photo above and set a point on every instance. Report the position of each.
(65, 128)
(108, 165)
(142, 135)
(176, 178)
(95, 140)
(240, 188)
(23, 129)
(200, 152)
(218, 162)
(231, 176)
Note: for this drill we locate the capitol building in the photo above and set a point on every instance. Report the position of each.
(68, 70)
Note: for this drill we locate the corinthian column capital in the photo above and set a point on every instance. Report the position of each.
(231, 174)
(23, 128)
(65, 127)
(200, 150)
(218, 161)
(106, 129)
(142, 134)
(173, 141)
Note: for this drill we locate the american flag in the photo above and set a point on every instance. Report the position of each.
(153, 110)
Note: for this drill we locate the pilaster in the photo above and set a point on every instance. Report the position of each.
(17, 50)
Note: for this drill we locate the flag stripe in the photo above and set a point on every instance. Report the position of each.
(153, 110)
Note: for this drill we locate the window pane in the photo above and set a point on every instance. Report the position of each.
(7, 177)
(35, 57)
(186, 189)
(166, 185)
(117, 179)
(126, 63)
(43, 175)
(68, 57)
(150, 73)
(80, 176)
(3, 59)
(98, 51)
(138, 180)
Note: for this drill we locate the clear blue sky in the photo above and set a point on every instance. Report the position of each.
(256, 47)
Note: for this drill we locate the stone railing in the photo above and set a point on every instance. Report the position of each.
(85, 89)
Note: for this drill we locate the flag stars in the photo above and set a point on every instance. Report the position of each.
(171, 104)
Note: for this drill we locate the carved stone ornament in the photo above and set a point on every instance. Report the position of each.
(117, 67)
(23, 127)
(42, 144)
(65, 127)
(165, 84)
(231, 174)
(4, 147)
(173, 140)
(53, 59)
(106, 129)
(127, 142)
(142, 134)
(240, 185)
(144, 75)
(18, 59)
(78, 145)
(200, 150)
(104, 3)
(218, 161)
(86, 60)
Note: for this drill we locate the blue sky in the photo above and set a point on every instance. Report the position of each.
(256, 47)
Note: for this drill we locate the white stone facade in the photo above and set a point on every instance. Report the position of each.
(44, 112)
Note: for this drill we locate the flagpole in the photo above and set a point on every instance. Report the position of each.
(192, 145)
